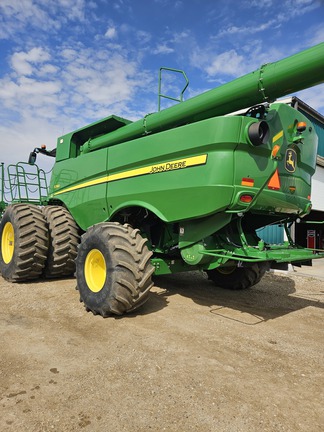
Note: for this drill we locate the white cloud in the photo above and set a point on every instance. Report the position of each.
(69, 54)
(229, 63)
(26, 95)
(301, 7)
(17, 15)
(22, 62)
(22, 137)
(75, 8)
(257, 4)
(107, 79)
(47, 69)
(97, 78)
(179, 43)
(163, 49)
(111, 33)
(143, 36)
(232, 30)
(48, 89)
(317, 35)
(288, 10)
(220, 66)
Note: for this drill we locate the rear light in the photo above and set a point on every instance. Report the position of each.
(275, 150)
(247, 181)
(301, 126)
(246, 198)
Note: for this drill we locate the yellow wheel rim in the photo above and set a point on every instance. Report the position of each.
(8, 242)
(95, 270)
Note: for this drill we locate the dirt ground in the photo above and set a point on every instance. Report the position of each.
(194, 358)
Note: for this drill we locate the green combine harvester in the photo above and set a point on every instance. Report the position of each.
(182, 189)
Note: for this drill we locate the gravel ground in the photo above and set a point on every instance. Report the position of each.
(193, 358)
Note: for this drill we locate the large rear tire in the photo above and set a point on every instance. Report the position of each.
(24, 243)
(238, 278)
(113, 269)
(63, 242)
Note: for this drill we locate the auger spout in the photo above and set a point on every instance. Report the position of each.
(272, 80)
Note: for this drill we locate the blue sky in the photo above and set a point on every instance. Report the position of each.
(67, 63)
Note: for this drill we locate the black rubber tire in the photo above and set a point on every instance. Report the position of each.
(63, 242)
(30, 243)
(128, 270)
(238, 278)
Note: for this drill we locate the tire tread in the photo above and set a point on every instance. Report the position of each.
(64, 239)
(31, 242)
(130, 266)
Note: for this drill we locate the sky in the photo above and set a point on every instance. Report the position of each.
(67, 63)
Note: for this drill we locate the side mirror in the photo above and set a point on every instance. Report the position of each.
(32, 158)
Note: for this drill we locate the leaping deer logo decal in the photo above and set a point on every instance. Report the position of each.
(291, 160)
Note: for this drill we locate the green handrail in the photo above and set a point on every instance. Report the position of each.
(27, 183)
(160, 85)
(3, 204)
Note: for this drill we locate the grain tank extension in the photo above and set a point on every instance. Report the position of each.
(182, 189)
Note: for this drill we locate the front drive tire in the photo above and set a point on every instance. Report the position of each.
(24, 243)
(238, 278)
(113, 269)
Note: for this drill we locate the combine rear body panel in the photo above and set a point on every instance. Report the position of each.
(185, 188)
(176, 178)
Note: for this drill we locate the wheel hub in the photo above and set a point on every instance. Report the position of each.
(95, 270)
(8, 242)
(226, 270)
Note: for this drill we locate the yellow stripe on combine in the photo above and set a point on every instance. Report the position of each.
(278, 136)
(151, 169)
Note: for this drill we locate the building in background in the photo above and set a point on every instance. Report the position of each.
(310, 232)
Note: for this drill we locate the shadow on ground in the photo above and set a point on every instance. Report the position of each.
(274, 296)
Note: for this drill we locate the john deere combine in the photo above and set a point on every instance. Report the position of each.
(182, 189)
